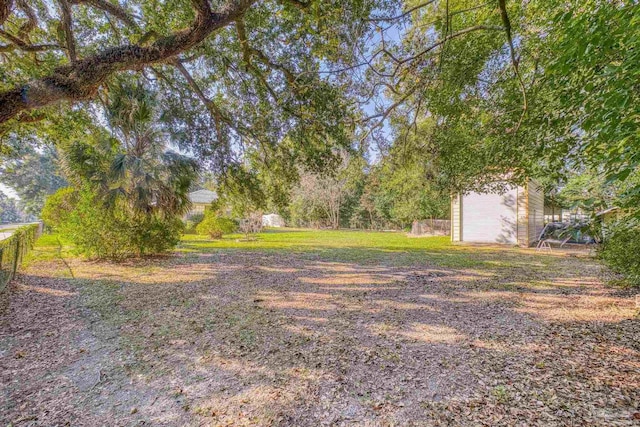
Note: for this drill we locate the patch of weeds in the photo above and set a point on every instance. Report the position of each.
(103, 298)
(501, 394)
(389, 355)
(247, 337)
(240, 323)
(204, 411)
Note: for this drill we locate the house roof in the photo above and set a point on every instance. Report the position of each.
(202, 196)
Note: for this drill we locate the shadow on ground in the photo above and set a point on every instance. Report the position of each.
(269, 338)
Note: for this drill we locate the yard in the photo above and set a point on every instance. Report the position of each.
(308, 328)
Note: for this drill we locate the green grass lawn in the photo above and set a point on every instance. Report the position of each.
(305, 239)
(365, 247)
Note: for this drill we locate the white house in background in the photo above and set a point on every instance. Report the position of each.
(200, 200)
(272, 220)
(515, 216)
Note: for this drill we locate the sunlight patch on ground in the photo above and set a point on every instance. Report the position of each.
(183, 273)
(298, 301)
(577, 308)
(311, 319)
(43, 290)
(353, 279)
(401, 305)
(277, 269)
(433, 333)
(360, 288)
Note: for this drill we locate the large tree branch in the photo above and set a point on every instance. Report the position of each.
(5, 10)
(213, 109)
(80, 80)
(30, 47)
(248, 51)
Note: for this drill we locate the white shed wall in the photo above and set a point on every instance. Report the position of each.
(456, 236)
(536, 211)
(513, 217)
(490, 218)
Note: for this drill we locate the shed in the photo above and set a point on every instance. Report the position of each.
(272, 220)
(513, 216)
(608, 218)
(200, 200)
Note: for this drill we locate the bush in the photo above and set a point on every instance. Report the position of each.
(192, 222)
(251, 224)
(620, 250)
(215, 226)
(58, 206)
(99, 231)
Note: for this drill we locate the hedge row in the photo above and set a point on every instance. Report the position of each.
(13, 249)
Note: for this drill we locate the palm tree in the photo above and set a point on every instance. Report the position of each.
(131, 166)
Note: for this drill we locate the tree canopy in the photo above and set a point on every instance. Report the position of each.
(232, 74)
(539, 88)
(552, 91)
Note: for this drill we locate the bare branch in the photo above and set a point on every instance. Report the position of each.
(32, 19)
(514, 59)
(67, 25)
(13, 39)
(19, 44)
(447, 38)
(213, 109)
(400, 62)
(402, 15)
(384, 114)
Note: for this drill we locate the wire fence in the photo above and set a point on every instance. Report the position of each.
(14, 248)
(431, 227)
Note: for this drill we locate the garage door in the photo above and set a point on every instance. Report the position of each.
(490, 218)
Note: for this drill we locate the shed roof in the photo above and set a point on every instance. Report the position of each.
(202, 196)
(606, 211)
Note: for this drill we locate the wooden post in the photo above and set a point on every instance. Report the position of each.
(15, 260)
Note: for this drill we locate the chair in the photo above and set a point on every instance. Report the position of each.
(545, 244)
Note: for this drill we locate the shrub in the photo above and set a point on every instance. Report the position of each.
(251, 224)
(215, 226)
(620, 250)
(113, 232)
(58, 206)
(192, 222)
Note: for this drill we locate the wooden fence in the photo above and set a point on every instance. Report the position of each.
(14, 248)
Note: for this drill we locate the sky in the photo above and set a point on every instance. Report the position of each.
(8, 191)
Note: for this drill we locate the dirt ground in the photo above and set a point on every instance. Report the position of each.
(274, 338)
